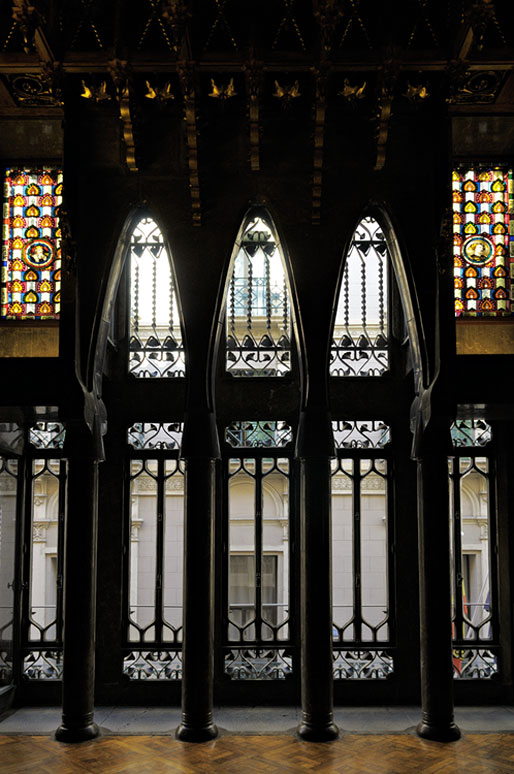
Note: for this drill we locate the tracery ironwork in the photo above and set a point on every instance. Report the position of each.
(258, 664)
(360, 339)
(470, 432)
(359, 434)
(47, 435)
(259, 312)
(152, 435)
(362, 599)
(156, 342)
(153, 665)
(362, 664)
(475, 663)
(43, 665)
(246, 435)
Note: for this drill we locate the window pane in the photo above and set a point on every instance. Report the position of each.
(241, 592)
(173, 550)
(143, 549)
(8, 490)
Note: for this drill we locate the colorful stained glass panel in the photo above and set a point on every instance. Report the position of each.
(483, 208)
(31, 253)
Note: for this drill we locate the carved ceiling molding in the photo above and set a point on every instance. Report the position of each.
(253, 90)
(186, 75)
(319, 138)
(119, 71)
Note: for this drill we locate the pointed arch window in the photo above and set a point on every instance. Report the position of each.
(258, 303)
(360, 339)
(156, 341)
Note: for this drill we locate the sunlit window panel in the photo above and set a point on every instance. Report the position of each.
(360, 338)
(483, 203)
(258, 306)
(31, 252)
(156, 341)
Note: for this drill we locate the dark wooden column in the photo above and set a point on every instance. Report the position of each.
(200, 451)
(314, 450)
(79, 590)
(437, 721)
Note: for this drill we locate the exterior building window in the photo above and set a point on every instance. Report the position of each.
(361, 573)
(483, 205)
(360, 337)
(258, 304)
(153, 575)
(473, 553)
(31, 259)
(156, 348)
(257, 639)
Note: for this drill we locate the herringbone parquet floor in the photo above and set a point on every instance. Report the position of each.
(353, 754)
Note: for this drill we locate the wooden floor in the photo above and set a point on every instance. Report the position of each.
(387, 754)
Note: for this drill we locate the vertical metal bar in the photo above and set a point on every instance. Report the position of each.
(390, 554)
(27, 551)
(258, 549)
(269, 310)
(135, 295)
(232, 305)
(457, 551)
(154, 292)
(363, 292)
(160, 551)
(381, 305)
(19, 617)
(60, 551)
(249, 308)
(357, 564)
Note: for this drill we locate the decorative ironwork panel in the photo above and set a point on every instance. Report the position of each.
(156, 342)
(362, 664)
(153, 665)
(474, 664)
(248, 435)
(470, 432)
(6, 667)
(361, 573)
(361, 434)
(258, 306)
(360, 338)
(154, 572)
(43, 665)
(258, 664)
(483, 205)
(47, 435)
(31, 258)
(151, 435)
(258, 594)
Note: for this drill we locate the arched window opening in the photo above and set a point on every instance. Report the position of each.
(156, 342)
(473, 552)
(483, 205)
(360, 339)
(258, 304)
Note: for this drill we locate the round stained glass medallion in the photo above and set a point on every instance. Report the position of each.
(39, 253)
(478, 250)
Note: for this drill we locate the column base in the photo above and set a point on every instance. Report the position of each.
(80, 734)
(318, 733)
(186, 733)
(438, 732)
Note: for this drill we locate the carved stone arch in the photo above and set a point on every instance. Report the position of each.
(256, 212)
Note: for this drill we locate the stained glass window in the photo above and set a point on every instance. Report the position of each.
(258, 305)
(483, 204)
(156, 341)
(359, 344)
(31, 255)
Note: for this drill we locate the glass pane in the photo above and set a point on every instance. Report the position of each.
(173, 550)
(374, 585)
(258, 305)
(8, 487)
(31, 263)
(275, 547)
(241, 591)
(44, 555)
(476, 585)
(143, 549)
(342, 547)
